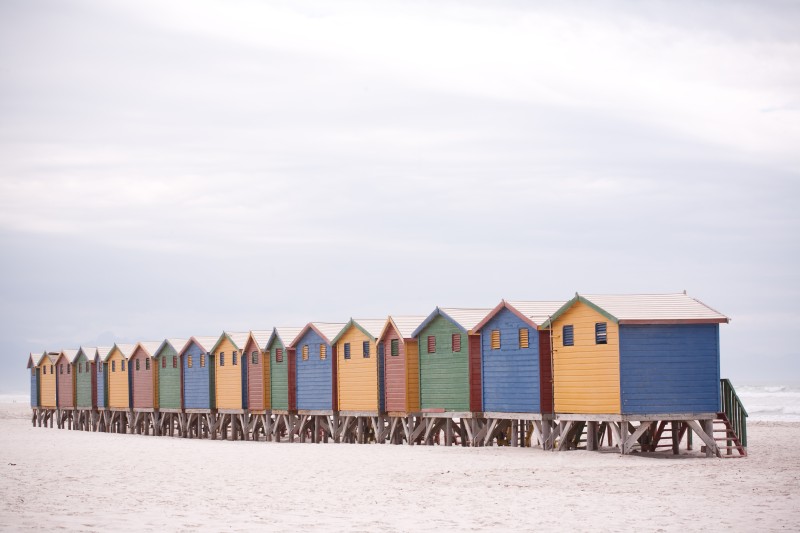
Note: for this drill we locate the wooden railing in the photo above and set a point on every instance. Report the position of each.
(733, 410)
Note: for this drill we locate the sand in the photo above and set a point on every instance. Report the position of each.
(58, 479)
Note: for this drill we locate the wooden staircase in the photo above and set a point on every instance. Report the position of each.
(730, 426)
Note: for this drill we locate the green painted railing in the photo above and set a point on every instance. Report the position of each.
(733, 409)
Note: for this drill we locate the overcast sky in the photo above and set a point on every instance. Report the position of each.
(180, 168)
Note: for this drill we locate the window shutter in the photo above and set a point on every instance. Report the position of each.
(323, 352)
(279, 355)
(202, 360)
(221, 358)
(600, 333)
(365, 349)
(189, 361)
(568, 338)
(235, 356)
(431, 343)
(163, 362)
(347, 350)
(305, 352)
(255, 358)
(523, 337)
(175, 361)
(147, 364)
(395, 347)
(495, 339)
(456, 339)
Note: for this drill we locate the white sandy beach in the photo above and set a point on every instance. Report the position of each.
(57, 479)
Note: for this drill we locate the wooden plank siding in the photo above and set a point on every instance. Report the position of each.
(258, 398)
(314, 377)
(118, 384)
(231, 375)
(168, 368)
(64, 385)
(358, 374)
(142, 378)
(198, 379)
(101, 377)
(669, 368)
(278, 374)
(444, 374)
(586, 375)
(47, 382)
(34, 380)
(511, 373)
(85, 381)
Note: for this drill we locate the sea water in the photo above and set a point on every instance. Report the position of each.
(773, 403)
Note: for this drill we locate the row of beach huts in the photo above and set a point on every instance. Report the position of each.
(638, 372)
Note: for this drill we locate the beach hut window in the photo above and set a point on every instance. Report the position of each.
(113, 366)
(33, 372)
(87, 366)
(431, 343)
(175, 361)
(163, 362)
(123, 365)
(147, 364)
(456, 340)
(189, 361)
(255, 358)
(99, 368)
(69, 369)
(61, 368)
(51, 369)
(221, 358)
(523, 337)
(202, 360)
(347, 350)
(45, 370)
(80, 369)
(366, 349)
(495, 339)
(137, 365)
(394, 347)
(568, 337)
(235, 354)
(600, 333)
(323, 352)
(279, 355)
(305, 352)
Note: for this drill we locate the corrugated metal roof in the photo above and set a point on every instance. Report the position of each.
(538, 312)
(150, 347)
(329, 330)
(467, 318)
(373, 326)
(238, 338)
(261, 336)
(287, 334)
(406, 324)
(103, 352)
(88, 352)
(177, 344)
(205, 342)
(654, 307)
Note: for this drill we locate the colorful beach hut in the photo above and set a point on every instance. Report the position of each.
(101, 375)
(279, 351)
(636, 354)
(515, 357)
(231, 370)
(359, 374)
(85, 378)
(65, 387)
(119, 397)
(314, 365)
(34, 369)
(168, 374)
(258, 379)
(449, 359)
(143, 376)
(401, 364)
(197, 362)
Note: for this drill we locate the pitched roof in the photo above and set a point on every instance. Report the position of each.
(327, 330)
(89, 353)
(33, 359)
(405, 325)
(103, 351)
(678, 308)
(177, 345)
(125, 349)
(205, 342)
(464, 318)
(150, 348)
(69, 355)
(369, 326)
(286, 334)
(535, 313)
(51, 356)
(261, 337)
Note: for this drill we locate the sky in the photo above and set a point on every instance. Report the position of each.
(170, 169)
